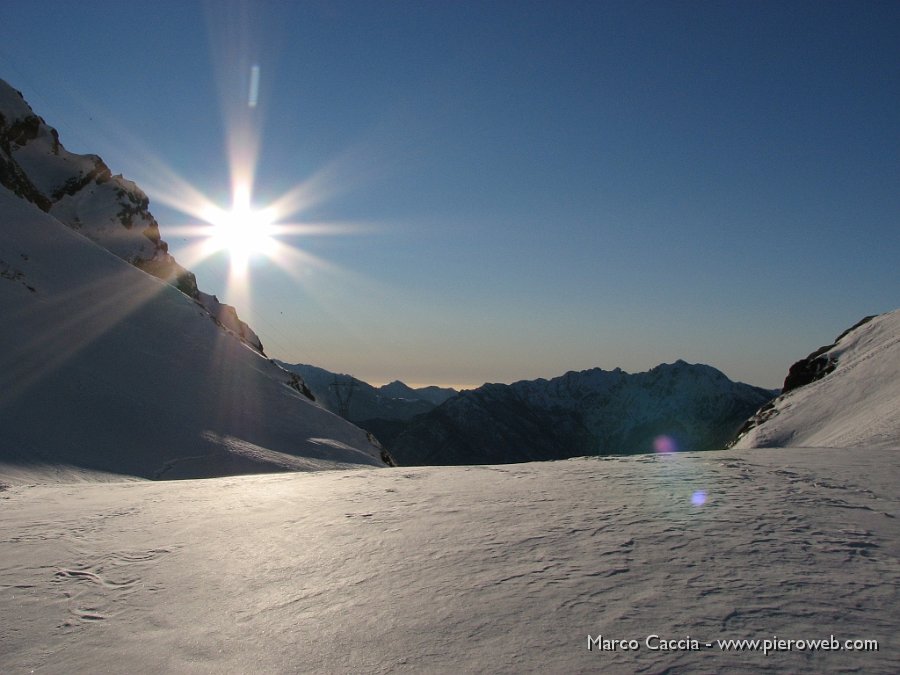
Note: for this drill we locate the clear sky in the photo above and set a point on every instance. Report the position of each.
(505, 190)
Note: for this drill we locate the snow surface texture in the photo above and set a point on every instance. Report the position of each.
(106, 368)
(855, 405)
(491, 569)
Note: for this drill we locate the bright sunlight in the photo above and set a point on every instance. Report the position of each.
(241, 232)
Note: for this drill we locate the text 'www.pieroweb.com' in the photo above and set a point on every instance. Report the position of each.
(654, 643)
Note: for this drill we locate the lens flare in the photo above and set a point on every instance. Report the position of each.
(698, 498)
(249, 230)
(242, 232)
(665, 444)
(253, 94)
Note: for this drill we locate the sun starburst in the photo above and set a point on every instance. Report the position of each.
(242, 231)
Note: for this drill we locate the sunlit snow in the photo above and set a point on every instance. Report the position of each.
(492, 569)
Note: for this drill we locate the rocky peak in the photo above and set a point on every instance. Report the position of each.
(81, 192)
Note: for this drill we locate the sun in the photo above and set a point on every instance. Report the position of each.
(242, 231)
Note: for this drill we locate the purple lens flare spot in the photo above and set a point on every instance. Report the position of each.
(665, 444)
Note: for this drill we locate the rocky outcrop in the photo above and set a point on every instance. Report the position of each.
(81, 192)
(16, 131)
(842, 395)
(106, 369)
(818, 364)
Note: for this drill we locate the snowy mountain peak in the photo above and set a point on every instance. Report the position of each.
(432, 394)
(81, 192)
(107, 370)
(845, 394)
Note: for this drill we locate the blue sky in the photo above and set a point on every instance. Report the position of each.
(515, 189)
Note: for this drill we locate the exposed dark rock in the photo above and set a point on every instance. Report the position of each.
(818, 364)
(803, 372)
(14, 179)
(134, 204)
(11, 174)
(99, 174)
(813, 367)
(386, 457)
(21, 131)
(767, 412)
(165, 268)
(299, 385)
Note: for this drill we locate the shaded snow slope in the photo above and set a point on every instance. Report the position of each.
(81, 192)
(384, 411)
(106, 368)
(493, 569)
(363, 400)
(843, 395)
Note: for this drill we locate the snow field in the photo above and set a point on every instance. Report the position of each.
(494, 569)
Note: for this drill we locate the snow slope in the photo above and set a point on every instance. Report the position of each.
(855, 403)
(490, 569)
(104, 368)
(81, 192)
(107, 368)
(364, 402)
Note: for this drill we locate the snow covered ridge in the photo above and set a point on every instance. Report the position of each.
(81, 192)
(106, 371)
(104, 368)
(842, 395)
(394, 401)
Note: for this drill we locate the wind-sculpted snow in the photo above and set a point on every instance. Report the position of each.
(843, 395)
(491, 569)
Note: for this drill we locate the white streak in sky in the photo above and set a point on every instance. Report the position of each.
(254, 87)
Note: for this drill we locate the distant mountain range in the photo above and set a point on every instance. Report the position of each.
(845, 394)
(111, 359)
(394, 401)
(676, 406)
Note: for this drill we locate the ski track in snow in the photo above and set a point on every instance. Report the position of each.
(465, 569)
